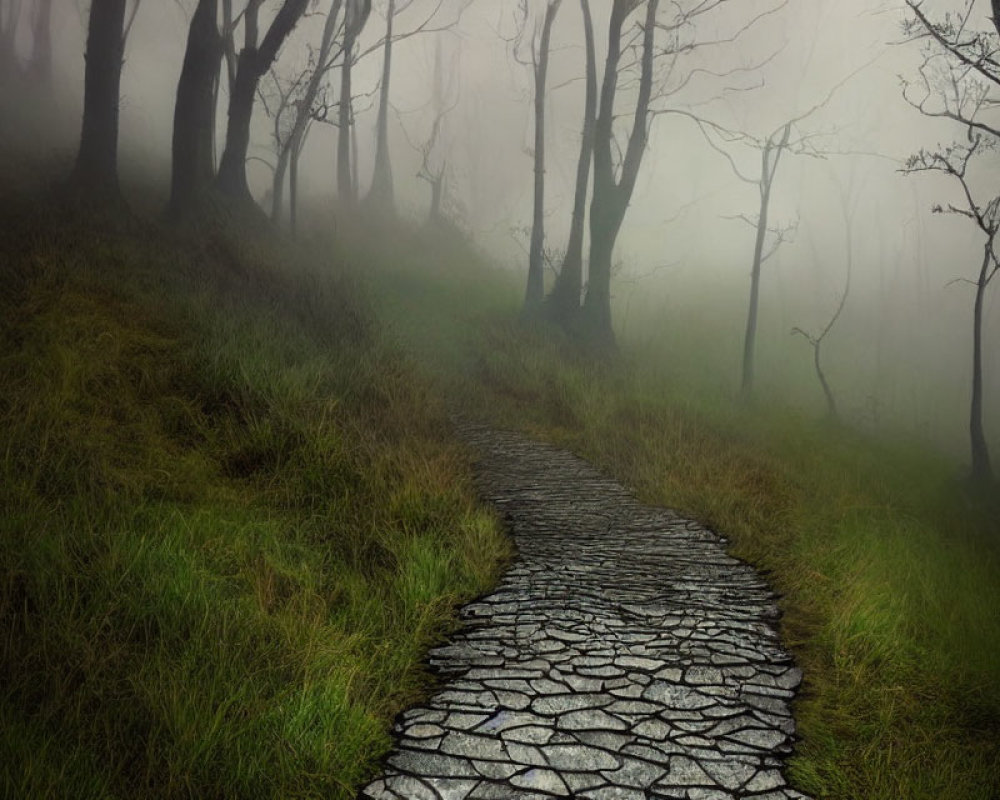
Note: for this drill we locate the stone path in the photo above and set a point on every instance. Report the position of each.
(623, 655)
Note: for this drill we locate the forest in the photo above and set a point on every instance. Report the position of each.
(500, 398)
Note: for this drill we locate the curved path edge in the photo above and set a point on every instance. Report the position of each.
(623, 655)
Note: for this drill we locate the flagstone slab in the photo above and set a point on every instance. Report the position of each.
(624, 654)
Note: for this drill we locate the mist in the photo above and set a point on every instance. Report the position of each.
(899, 356)
(491, 398)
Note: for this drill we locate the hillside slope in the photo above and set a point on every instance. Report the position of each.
(233, 518)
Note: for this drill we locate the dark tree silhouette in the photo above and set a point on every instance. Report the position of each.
(788, 137)
(40, 66)
(10, 20)
(357, 13)
(96, 172)
(959, 80)
(536, 38)
(193, 167)
(434, 161)
(770, 156)
(563, 302)
(381, 193)
(650, 62)
(303, 110)
(612, 194)
(848, 207)
(254, 61)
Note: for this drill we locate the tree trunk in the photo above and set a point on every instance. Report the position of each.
(355, 17)
(41, 45)
(288, 157)
(10, 14)
(96, 171)
(774, 147)
(344, 183)
(436, 215)
(831, 405)
(982, 470)
(535, 291)
(253, 62)
(611, 197)
(194, 112)
(293, 187)
(381, 192)
(750, 336)
(596, 314)
(232, 180)
(563, 305)
(278, 182)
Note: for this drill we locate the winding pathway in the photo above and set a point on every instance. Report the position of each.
(623, 655)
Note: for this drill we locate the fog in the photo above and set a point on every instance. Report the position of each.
(899, 358)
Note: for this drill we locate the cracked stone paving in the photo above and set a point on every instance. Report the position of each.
(623, 655)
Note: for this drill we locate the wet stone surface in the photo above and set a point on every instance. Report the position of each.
(623, 655)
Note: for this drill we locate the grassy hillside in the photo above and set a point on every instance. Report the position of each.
(889, 574)
(233, 518)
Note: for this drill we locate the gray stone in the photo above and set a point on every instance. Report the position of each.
(543, 780)
(624, 655)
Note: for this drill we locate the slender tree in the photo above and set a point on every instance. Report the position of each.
(612, 194)
(433, 149)
(563, 302)
(960, 81)
(538, 41)
(770, 156)
(381, 193)
(357, 13)
(789, 137)
(10, 20)
(847, 210)
(40, 66)
(303, 110)
(193, 165)
(254, 61)
(96, 171)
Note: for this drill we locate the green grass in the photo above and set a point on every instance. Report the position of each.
(889, 579)
(233, 519)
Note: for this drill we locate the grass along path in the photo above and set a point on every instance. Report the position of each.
(624, 654)
(889, 581)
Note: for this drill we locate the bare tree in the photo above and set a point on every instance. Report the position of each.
(193, 165)
(816, 339)
(789, 136)
(357, 13)
(612, 193)
(40, 65)
(300, 100)
(254, 60)
(434, 161)
(647, 62)
(534, 35)
(96, 172)
(563, 302)
(381, 193)
(10, 20)
(959, 80)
